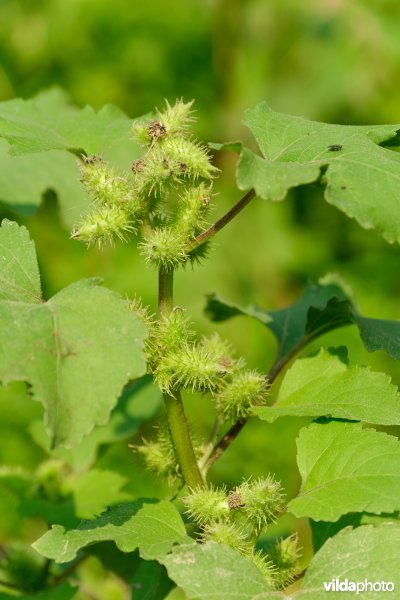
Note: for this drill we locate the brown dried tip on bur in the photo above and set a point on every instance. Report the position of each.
(137, 165)
(226, 362)
(235, 500)
(156, 130)
(91, 159)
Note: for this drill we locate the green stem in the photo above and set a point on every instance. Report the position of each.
(173, 401)
(165, 292)
(209, 447)
(10, 585)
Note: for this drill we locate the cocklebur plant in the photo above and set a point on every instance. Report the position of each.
(97, 361)
(170, 188)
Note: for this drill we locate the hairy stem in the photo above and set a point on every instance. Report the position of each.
(220, 224)
(173, 401)
(165, 292)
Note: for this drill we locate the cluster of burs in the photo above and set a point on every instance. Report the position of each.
(166, 200)
(238, 518)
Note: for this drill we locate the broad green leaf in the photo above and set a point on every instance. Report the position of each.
(345, 468)
(379, 334)
(366, 553)
(152, 526)
(19, 271)
(362, 178)
(59, 592)
(139, 402)
(295, 325)
(272, 180)
(215, 571)
(323, 385)
(77, 350)
(321, 308)
(49, 122)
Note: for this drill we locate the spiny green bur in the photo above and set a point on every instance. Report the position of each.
(165, 197)
(237, 519)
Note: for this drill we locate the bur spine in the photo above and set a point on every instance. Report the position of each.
(240, 394)
(207, 505)
(104, 226)
(263, 501)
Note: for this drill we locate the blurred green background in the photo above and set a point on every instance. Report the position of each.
(331, 60)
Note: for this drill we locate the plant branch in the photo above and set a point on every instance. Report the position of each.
(209, 447)
(220, 224)
(173, 401)
(226, 441)
(10, 585)
(237, 427)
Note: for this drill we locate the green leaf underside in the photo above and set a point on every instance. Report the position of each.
(362, 178)
(321, 308)
(344, 469)
(49, 122)
(323, 386)
(216, 571)
(151, 525)
(59, 592)
(77, 351)
(355, 554)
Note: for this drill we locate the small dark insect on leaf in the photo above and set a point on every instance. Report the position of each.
(335, 147)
